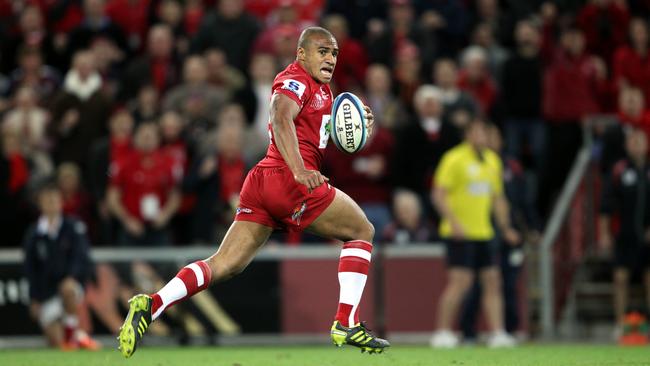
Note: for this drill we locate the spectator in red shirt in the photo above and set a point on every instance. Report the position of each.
(604, 23)
(573, 84)
(365, 175)
(475, 79)
(132, 16)
(103, 154)
(143, 193)
(352, 61)
(407, 72)
(631, 65)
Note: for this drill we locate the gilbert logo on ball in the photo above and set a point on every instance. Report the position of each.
(349, 132)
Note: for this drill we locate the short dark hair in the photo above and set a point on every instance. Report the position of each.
(309, 32)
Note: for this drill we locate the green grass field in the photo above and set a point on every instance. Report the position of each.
(534, 355)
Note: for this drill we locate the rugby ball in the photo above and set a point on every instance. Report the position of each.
(348, 129)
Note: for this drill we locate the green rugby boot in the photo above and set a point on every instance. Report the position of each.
(135, 325)
(358, 336)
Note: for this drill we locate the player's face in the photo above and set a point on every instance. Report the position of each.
(320, 57)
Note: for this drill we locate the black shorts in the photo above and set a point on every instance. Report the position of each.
(632, 257)
(471, 254)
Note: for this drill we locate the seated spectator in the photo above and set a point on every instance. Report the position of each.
(365, 176)
(195, 99)
(146, 106)
(631, 65)
(14, 174)
(254, 98)
(409, 224)
(96, 24)
(217, 178)
(33, 34)
(194, 13)
(407, 73)
(57, 265)
(483, 36)
(223, 25)
(79, 112)
(171, 13)
(76, 201)
(620, 196)
(389, 112)
(476, 80)
(459, 106)
(352, 61)
(157, 67)
(104, 153)
(28, 120)
(421, 142)
(221, 74)
(282, 28)
(31, 72)
(143, 193)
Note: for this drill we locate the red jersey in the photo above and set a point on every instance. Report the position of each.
(315, 102)
(145, 182)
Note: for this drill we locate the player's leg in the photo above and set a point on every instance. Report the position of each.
(460, 277)
(460, 280)
(493, 305)
(344, 220)
(236, 251)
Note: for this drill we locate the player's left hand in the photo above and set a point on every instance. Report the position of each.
(370, 119)
(511, 236)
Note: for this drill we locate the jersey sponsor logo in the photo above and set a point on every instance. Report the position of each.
(317, 102)
(298, 212)
(243, 210)
(479, 188)
(296, 87)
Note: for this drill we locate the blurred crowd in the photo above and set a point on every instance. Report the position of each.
(148, 113)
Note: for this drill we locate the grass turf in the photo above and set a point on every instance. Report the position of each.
(532, 355)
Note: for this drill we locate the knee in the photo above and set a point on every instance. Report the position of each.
(366, 232)
(68, 287)
(223, 269)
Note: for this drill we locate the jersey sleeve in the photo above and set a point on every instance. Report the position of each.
(294, 86)
(445, 175)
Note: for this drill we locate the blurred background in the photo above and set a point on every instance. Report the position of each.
(90, 87)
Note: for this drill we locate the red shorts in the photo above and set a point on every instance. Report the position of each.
(271, 197)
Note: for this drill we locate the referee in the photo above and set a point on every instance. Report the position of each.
(468, 189)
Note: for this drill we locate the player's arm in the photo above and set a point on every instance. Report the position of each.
(501, 209)
(283, 111)
(441, 201)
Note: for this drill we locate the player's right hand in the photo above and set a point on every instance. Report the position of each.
(310, 178)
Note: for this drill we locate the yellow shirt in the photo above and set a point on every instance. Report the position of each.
(471, 184)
